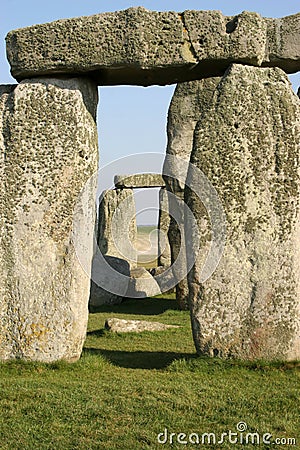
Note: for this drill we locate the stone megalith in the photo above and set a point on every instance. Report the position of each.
(188, 103)
(247, 144)
(49, 150)
(116, 237)
(144, 47)
(164, 251)
(139, 180)
(117, 231)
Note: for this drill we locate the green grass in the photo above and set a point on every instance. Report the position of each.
(127, 388)
(146, 229)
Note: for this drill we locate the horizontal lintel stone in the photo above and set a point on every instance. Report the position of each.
(142, 47)
(140, 180)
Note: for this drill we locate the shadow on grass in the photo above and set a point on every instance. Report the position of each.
(190, 362)
(139, 359)
(151, 306)
(98, 333)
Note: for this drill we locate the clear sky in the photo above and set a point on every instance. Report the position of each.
(130, 119)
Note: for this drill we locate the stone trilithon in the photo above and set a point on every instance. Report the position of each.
(239, 126)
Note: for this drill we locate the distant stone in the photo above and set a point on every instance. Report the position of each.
(164, 251)
(117, 230)
(247, 144)
(144, 47)
(142, 284)
(104, 294)
(164, 278)
(135, 326)
(48, 152)
(140, 180)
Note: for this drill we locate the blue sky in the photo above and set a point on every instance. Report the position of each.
(130, 119)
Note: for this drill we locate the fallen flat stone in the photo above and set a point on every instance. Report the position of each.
(49, 150)
(247, 145)
(140, 180)
(142, 47)
(135, 326)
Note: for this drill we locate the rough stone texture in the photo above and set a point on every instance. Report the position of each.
(139, 180)
(144, 47)
(247, 144)
(238, 38)
(164, 251)
(165, 281)
(48, 142)
(283, 44)
(188, 103)
(98, 295)
(135, 326)
(117, 231)
(142, 284)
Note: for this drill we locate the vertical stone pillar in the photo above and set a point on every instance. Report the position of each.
(117, 230)
(117, 234)
(189, 102)
(247, 144)
(49, 150)
(164, 252)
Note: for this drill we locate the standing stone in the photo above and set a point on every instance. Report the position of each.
(189, 102)
(247, 144)
(48, 142)
(117, 234)
(117, 230)
(164, 251)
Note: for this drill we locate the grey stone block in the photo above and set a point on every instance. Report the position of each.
(139, 180)
(142, 47)
(247, 144)
(188, 104)
(117, 231)
(49, 150)
(99, 296)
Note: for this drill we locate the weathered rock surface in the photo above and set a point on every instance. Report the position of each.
(247, 144)
(48, 144)
(164, 252)
(282, 49)
(188, 103)
(99, 295)
(117, 231)
(164, 278)
(144, 47)
(142, 284)
(139, 180)
(135, 326)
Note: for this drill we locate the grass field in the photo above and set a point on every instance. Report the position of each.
(128, 388)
